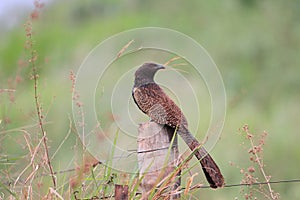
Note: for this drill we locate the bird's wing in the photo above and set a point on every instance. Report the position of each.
(152, 100)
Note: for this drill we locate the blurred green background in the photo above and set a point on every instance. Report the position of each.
(255, 44)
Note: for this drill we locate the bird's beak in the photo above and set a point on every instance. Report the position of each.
(161, 67)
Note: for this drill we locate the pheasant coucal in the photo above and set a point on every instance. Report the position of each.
(153, 101)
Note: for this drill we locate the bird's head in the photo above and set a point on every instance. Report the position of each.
(145, 73)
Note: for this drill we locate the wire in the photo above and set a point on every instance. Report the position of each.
(250, 184)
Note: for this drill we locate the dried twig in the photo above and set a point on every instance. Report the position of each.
(256, 150)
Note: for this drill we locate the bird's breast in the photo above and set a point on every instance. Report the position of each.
(147, 96)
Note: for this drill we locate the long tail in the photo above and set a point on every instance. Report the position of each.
(209, 167)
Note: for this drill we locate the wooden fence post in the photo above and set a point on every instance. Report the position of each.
(155, 160)
(121, 192)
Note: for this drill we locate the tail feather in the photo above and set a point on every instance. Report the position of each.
(209, 167)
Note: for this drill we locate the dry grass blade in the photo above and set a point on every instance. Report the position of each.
(179, 64)
(21, 129)
(171, 60)
(6, 90)
(124, 48)
(189, 183)
(64, 140)
(181, 70)
(31, 175)
(33, 154)
(176, 65)
(52, 191)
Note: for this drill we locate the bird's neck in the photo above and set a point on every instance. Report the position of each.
(142, 80)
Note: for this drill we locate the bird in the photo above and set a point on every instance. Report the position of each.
(151, 99)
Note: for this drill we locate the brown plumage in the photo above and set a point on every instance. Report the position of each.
(153, 101)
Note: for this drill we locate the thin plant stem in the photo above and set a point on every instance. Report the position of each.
(32, 60)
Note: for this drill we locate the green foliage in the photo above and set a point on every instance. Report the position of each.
(255, 44)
